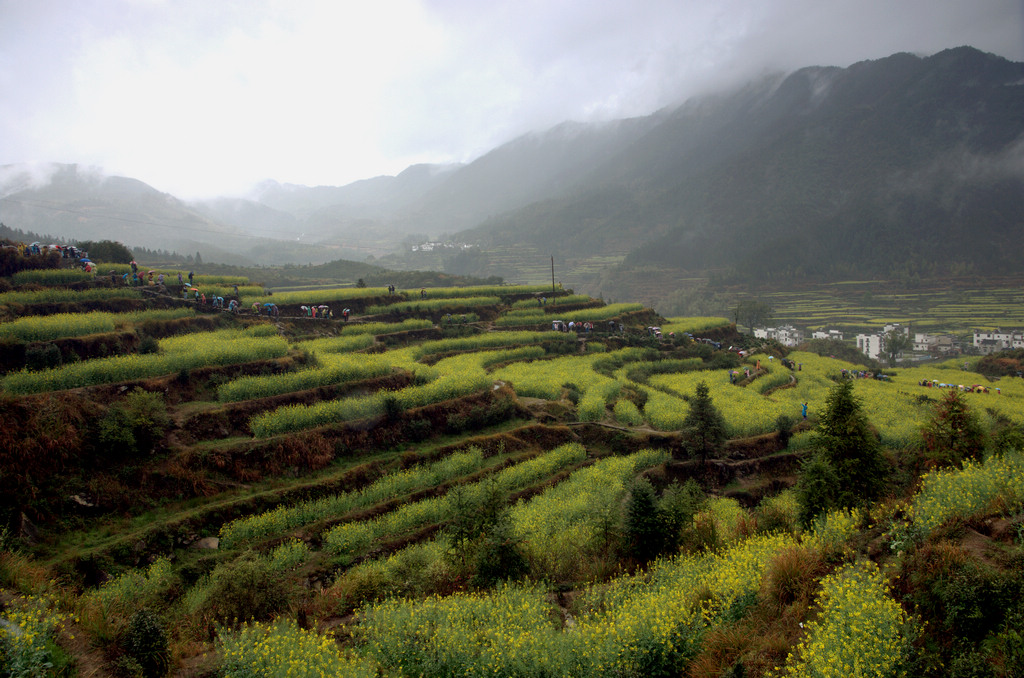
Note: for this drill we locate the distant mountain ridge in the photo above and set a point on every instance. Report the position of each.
(896, 163)
(905, 165)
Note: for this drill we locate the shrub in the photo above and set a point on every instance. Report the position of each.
(962, 596)
(148, 344)
(816, 488)
(784, 425)
(135, 424)
(42, 357)
(246, 589)
(145, 641)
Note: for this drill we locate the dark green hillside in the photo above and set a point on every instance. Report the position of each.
(897, 165)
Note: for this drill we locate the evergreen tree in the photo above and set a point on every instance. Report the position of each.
(679, 504)
(106, 251)
(848, 469)
(704, 425)
(955, 432)
(645, 522)
(499, 557)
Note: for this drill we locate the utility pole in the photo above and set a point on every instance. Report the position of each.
(552, 275)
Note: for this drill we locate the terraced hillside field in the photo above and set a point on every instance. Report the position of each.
(438, 483)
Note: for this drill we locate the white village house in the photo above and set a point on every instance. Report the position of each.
(934, 343)
(787, 335)
(998, 340)
(872, 345)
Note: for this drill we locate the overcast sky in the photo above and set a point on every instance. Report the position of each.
(202, 97)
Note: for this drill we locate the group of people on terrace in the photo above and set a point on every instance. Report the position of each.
(572, 326)
(322, 311)
(973, 388)
(863, 374)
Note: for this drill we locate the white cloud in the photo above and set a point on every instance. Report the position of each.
(198, 97)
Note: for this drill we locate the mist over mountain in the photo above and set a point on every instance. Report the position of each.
(892, 165)
(902, 166)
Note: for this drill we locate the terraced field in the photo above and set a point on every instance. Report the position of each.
(404, 493)
(937, 307)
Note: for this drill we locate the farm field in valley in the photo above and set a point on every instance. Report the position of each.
(936, 306)
(441, 484)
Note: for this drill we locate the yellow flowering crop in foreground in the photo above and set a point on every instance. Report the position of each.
(638, 625)
(996, 483)
(26, 626)
(566, 526)
(283, 649)
(862, 631)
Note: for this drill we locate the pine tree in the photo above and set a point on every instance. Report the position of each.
(848, 469)
(704, 425)
(645, 523)
(955, 432)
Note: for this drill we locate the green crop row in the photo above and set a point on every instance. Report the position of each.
(694, 325)
(479, 342)
(339, 294)
(60, 294)
(608, 312)
(566, 522)
(648, 624)
(341, 344)
(171, 275)
(436, 304)
(60, 325)
(561, 529)
(299, 417)
(482, 291)
(281, 648)
(51, 276)
(387, 328)
(553, 301)
(978, 487)
(333, 369)
(391, 486)
(598, 394)
(355, 538)
(177, 353)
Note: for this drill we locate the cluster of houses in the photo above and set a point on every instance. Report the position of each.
(431, 246)
(873, 345)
